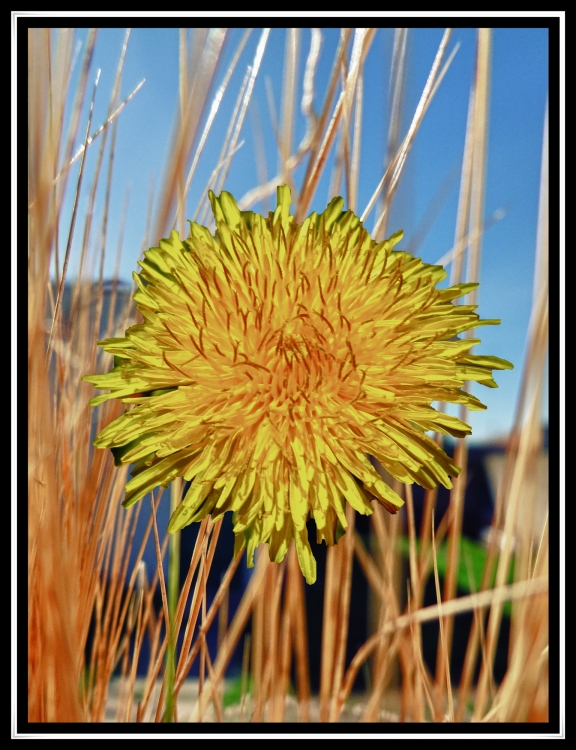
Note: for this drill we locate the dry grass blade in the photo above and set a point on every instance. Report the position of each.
(521, 471)
(481, 600)
(207, 52)
(115, 282)
(369, 567)
(210, 120)
(528, 441)
(244, 101)
(62, 281)
(472, 209)
(443, 644)
(104, 230)
(343, 614)
(199, 561)
(455, 514)
(297, 615)
(270, 669)
(307, 103)
(414, 595)
(396, 101)
(37, 98)
(404, 153)
(288, 102)
(362, 41)
(329, 625)
(480, 134)
(90, 139)
(425, 100)
(357, 137)
(311, 141)
(244, 682)
(71, 500)
(259, 150)
(229, 144)
(233, 635)
(385, 668)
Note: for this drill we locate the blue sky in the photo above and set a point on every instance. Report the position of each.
(517, 107)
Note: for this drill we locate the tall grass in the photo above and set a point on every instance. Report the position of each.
(81, 540)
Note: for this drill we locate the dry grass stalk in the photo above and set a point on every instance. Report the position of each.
(394, 170)
(535, 619)
(396, 92)
(73, 495)
(207, 49)
(471, 208)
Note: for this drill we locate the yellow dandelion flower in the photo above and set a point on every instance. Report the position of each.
(273, 359)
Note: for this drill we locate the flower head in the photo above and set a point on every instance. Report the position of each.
(273, 359)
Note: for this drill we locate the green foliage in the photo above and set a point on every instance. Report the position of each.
(471, 564)
(233, 692)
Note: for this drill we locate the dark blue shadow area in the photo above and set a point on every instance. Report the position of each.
(478, 499)
(478, 511)
(358, 623)
(220, 563)
(477, 517)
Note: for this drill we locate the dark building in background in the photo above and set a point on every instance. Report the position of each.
(476, 519)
